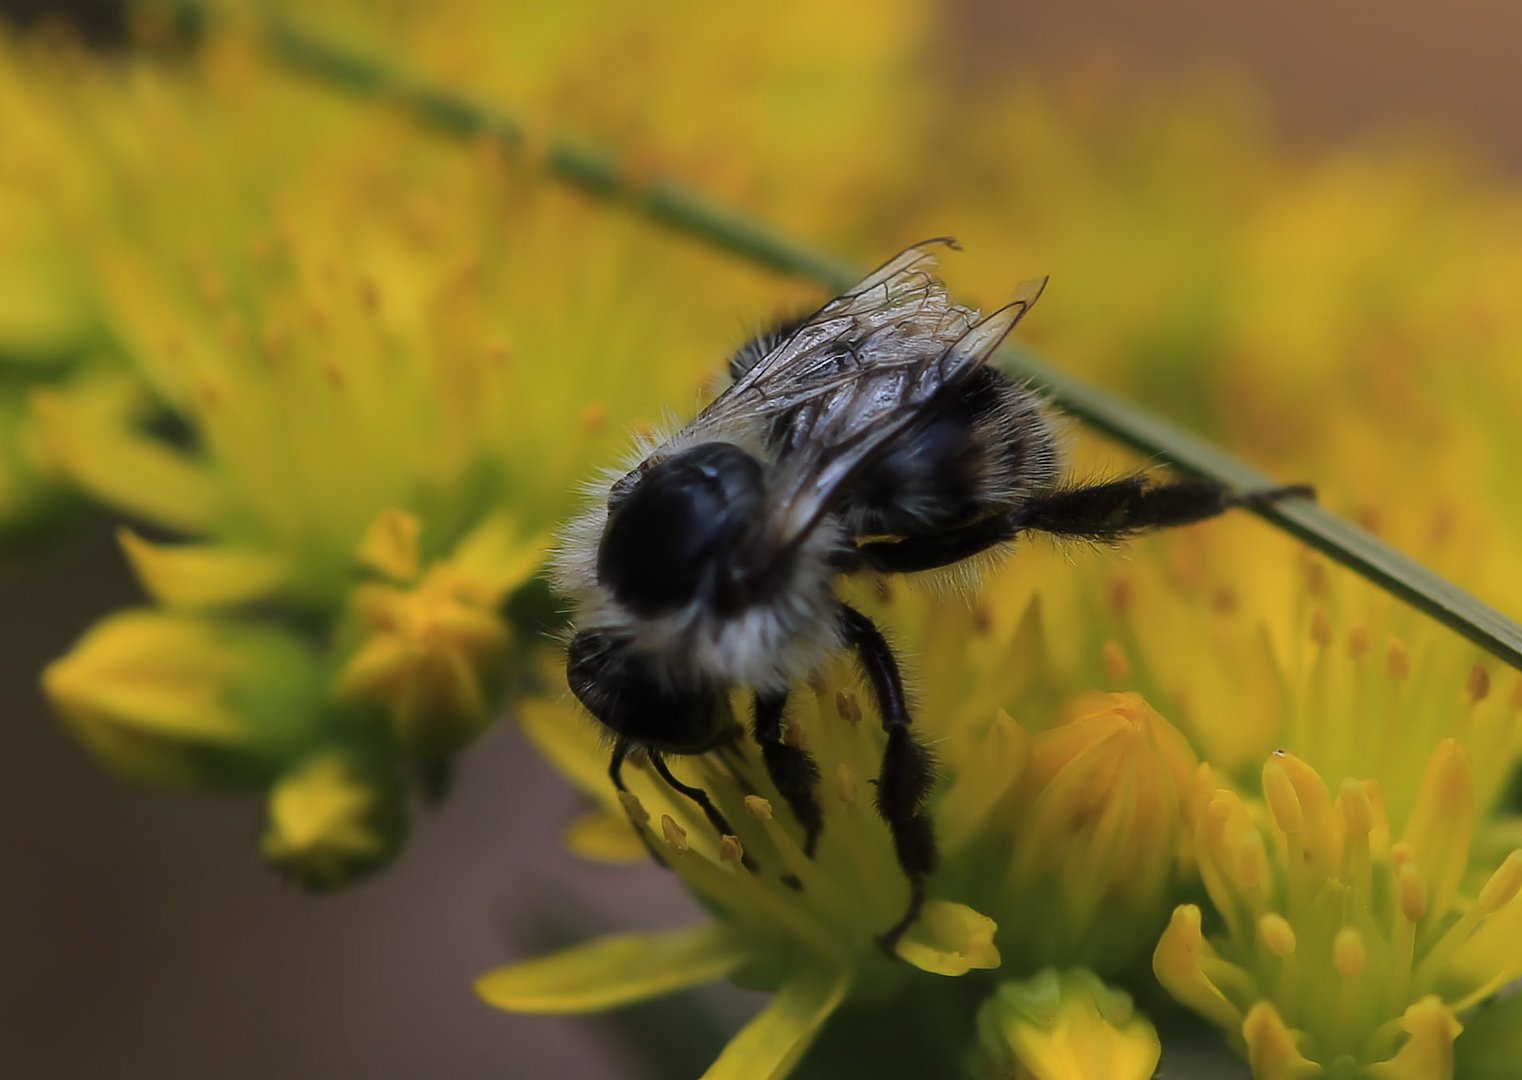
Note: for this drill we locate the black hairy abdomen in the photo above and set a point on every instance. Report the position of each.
(958, 462)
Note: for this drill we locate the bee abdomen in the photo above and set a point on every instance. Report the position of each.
(986, 447)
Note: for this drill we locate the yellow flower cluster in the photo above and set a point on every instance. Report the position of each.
(343, 377)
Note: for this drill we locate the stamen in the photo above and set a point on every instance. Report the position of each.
(845, 783)
(674, 834)
(1321, 628)
(758, 807)
(638, 815)
(731, 851)
(1478, 684)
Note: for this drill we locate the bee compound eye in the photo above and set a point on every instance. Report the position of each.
(622, 690)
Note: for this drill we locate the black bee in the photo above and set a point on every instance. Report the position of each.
(870, 436)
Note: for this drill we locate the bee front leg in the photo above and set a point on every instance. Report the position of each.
(906, 775)
(621, 750)
(791, 768)
(697, 795)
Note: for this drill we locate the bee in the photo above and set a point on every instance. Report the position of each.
(871, 436)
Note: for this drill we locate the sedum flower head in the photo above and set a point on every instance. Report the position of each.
(1038, 863)
(806, 928)
(1345, 948)
(1064, 1026)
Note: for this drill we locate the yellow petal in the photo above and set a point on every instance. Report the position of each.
(606, 837)
(1428, 1052)
(950, 939)
(614, 971)
(571, 742)
(996, 765)
(773, 1042)
(390, 544)
(497, 559)
(174, 698)
(103, 455)
(1273, 1050)
(1442, 823)
(1177, 962)
(201, 576)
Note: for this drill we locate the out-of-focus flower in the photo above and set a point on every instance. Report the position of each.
(334, 817)
(361, 324)
(1064, 1026)
(1346, 949)
(179, 699)
(431, 649)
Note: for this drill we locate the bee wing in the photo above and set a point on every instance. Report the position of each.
(901, 292)
(850, 422)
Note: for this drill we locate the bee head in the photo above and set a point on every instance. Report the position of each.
(675, 534)
(623, 691)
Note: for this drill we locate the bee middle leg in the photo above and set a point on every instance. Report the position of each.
(792, 769)
(906, 775)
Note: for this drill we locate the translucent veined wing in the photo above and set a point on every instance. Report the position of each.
(855, 376)
(840, 430)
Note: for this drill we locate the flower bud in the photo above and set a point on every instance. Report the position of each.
(177, 699)
(333, 818)
(1066, 1026)
(1095, 847)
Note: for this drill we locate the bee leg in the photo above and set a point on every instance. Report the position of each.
(621, 750)
(699, 796)
(1117, 509)
(791, 768)
(1112, 510)
(906, 775)
(936, 550)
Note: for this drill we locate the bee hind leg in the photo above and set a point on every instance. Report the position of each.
(792, 769)
(906, 775)
(1117, 509)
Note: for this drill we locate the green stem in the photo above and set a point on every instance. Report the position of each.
(689, 211)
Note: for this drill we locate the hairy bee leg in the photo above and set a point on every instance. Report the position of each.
(1110, 511)
(699, 796)
(792, 769)
(1117, 509)
(906, 774)
(621, 750)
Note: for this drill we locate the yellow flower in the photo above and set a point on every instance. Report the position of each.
(1064, 1026)
(1346, 949)
(806, 928)
(431, 649)
(1038, 865)
(332, 818)
(178, 699)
